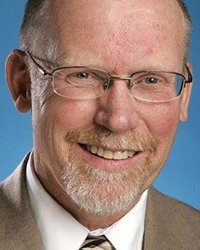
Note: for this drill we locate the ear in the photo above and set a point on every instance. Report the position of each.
(185, 100)
(18, 80)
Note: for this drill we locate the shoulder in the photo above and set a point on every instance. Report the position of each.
(174, 223)
(14, 187)
(17, 224)
(13, 197)
(172, 207)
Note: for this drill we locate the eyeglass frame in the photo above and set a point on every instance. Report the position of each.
(44, 72)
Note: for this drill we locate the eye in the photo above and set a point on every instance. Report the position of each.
(151, 80)
(80, 78)
(82, 75)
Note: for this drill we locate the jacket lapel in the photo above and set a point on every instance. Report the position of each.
(19, 228)
(155, 234)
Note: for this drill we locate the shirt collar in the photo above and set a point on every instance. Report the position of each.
(127, 233)
(59, 229)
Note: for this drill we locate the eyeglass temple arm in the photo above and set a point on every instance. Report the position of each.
(39, 67)
(190, 76)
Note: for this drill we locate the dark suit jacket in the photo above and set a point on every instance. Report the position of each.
(169, 224)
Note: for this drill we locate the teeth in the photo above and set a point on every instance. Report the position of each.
(120, 155)
(94, 149)
(100, 152)
(107, 154)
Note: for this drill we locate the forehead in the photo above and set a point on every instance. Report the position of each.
(114, 29)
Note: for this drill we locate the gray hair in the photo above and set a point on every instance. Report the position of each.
(36, 29)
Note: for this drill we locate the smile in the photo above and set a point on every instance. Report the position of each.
(109, 154)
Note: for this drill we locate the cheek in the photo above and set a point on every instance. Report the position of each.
(163, 121)
(52, 123)
(74, 114)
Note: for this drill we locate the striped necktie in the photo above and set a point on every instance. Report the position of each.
(97, 243)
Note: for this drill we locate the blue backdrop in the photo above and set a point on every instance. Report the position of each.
(181, 175)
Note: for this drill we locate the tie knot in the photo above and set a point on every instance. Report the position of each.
(97, 243)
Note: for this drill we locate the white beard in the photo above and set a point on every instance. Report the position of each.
(98, 191)
(104, 192)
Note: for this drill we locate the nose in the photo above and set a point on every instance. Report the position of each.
(117, 108)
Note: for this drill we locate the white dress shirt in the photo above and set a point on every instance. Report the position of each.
(59, 230)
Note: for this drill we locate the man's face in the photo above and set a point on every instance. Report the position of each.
(103, 153)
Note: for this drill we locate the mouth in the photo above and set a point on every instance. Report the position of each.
(109, 154)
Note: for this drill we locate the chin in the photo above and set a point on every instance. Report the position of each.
(101, 192)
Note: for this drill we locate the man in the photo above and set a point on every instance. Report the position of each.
(107, 83)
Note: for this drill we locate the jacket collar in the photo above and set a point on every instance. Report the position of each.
(22, 233)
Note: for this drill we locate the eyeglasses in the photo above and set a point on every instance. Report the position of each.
(80, 82)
